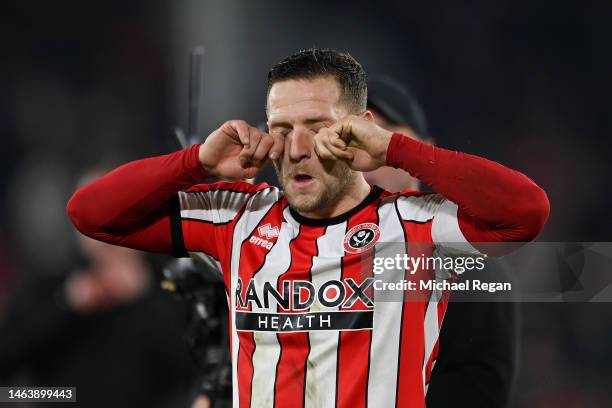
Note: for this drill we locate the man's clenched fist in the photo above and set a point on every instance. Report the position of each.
(238, 150)
(360, 142)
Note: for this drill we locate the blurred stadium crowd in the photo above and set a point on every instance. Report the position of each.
(88, 86)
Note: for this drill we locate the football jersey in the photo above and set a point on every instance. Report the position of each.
(308, 327)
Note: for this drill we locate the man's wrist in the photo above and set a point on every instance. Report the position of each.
(404, 151)
(201, 158)
(195, 164)
(386, 136)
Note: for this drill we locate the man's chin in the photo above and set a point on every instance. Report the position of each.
(301, 201)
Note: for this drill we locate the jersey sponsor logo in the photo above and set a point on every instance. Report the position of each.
(265, 232)
(268, 231)
(264, 243)
(296, 297)
(311, 321)
(361, 237)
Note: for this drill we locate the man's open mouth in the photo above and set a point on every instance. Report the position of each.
(302, 177)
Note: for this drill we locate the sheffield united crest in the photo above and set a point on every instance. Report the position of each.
(361, 238)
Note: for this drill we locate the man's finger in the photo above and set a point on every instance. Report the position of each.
(343, 129)
(263, 148)
(339, 153)
(326, 136)
(254, 138)
(326, 149)
(336, 127)
(323, 152)
(342, 154)
(335, 140)
(243, 131)
(250, 172)
(278, 146)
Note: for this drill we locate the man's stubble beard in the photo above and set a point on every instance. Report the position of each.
(329, 195)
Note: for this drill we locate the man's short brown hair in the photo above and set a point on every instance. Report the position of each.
(316, 62)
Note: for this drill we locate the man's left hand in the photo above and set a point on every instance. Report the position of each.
(358, 141)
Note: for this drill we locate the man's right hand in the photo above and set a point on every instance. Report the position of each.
(237, 150)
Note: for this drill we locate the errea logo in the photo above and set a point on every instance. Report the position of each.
(265, 231)
(268, 231)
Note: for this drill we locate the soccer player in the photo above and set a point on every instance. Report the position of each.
(305, 329)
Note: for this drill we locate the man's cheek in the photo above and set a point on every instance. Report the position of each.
(328, 165)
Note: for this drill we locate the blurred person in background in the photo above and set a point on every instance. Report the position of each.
(102, 328)
(478, 346)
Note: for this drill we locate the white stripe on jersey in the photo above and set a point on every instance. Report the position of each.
(216, 206)
(419, 208)
(445, 230)
(386, 336)
(256, 208)
(322, 360)
(267, 347)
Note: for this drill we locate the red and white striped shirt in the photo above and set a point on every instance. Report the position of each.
(307, 328)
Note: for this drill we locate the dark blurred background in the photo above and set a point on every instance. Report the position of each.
(525, 83)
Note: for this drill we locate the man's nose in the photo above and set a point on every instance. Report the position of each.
(300, 144)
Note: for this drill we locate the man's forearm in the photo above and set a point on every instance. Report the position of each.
(495, 202)
(133, 196)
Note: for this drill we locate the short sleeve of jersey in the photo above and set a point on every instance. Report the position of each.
(445, 231)
(203, 216)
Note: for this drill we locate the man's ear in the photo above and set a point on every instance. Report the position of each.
(367, 115)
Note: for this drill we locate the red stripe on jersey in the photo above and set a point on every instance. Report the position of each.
(354, 346)
(412, 343)
(194, 230)
(290, 382)
(245, 370)
(252, 258)
(226, 266)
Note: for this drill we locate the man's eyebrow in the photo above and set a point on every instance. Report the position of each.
(280, 124)
(308, 121)
(317, 119)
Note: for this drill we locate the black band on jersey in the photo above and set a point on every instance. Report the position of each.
(321, 222)
(176, 228)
